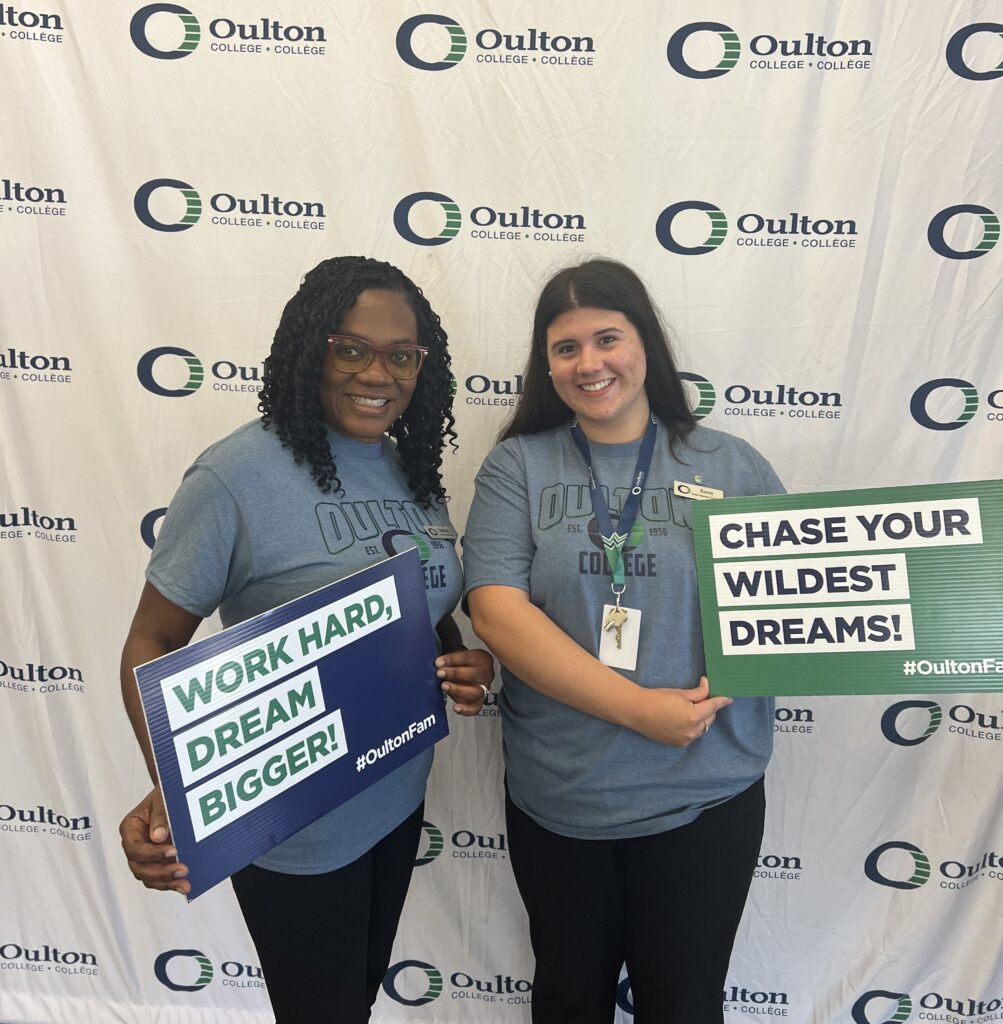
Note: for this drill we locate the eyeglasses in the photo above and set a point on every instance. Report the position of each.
(353, 355)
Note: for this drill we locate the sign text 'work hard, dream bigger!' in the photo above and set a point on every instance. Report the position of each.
(860, 576)
(223, 734)
(235, 674)
(270, 724)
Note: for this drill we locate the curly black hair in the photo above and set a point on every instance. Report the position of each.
(289, 399)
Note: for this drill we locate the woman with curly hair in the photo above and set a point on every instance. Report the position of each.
(341, 468)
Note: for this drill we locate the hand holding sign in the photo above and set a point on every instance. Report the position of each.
(875, 572)
(146, 840)
(677, 717)
(250, 728)
(466, 677)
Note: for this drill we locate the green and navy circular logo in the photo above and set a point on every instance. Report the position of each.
(431, 845)
(183, 970)
(872, 1008)
(188, 31)
(729, 54)
(396, 541)
(921, 401)
(188, 204)
(889, 870)
(892, 722)
(170, 362)
(961, 62)
(453, 42)
(448, 218)
(409, 976)
(706, 395)
(937, 231)
(667, 231)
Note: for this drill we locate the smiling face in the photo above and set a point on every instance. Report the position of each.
(597, 365)
(361, 406)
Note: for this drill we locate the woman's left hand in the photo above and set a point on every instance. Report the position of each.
(466, 678)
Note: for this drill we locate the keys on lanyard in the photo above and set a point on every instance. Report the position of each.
(614, 620)
(616, 617)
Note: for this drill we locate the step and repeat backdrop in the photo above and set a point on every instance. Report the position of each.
(813, 193)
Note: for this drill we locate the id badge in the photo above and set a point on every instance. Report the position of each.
(624, 656)
(441, 532)
(695, 491)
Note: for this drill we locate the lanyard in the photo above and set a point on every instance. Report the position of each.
(614, 540)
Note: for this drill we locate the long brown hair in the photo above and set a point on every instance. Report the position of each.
(599, 284)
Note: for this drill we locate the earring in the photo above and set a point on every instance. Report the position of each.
(549, 374)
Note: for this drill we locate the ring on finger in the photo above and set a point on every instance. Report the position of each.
(485, 689)
(706, 727)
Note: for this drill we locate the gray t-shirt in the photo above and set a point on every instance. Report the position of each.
(249, 530)
(531, 526)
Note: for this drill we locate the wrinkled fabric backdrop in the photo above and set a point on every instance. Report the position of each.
(811, 190)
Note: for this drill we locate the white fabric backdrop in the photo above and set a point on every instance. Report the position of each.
(860, 138)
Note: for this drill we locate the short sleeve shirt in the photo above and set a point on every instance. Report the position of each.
(249, 530)
(531, 526)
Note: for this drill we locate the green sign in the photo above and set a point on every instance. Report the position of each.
(884, 590)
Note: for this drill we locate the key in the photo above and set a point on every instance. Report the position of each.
(615, 620)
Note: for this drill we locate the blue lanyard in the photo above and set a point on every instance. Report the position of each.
(614, 540)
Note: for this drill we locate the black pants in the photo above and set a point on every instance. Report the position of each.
(668, 905)
(324, 941)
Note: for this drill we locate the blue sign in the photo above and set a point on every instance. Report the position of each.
(264, 727)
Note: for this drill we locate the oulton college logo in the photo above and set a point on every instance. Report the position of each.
(402, 218)
(679, 38)
(190, 970)
(756, 230)
(890, 720)
(937, 231)
(955, 52)
(453, 56)
(196, 371)
(164, 967)
(432, 983)
(920, 865)
(706, 395)
(193, 204)
(433, 846)
(921, 398)
(266, 210)
(140, 38)
(718, 227)
(862, 1014)
(435, 42)
(161, 43)
(702, 58)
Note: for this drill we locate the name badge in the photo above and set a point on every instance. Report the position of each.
(441, 532)
(696, 491)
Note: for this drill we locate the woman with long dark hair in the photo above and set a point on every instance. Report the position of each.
(634, 799)
(342, 466)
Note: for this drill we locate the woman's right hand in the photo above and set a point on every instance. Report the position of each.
(677, 717)
(146, 840)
